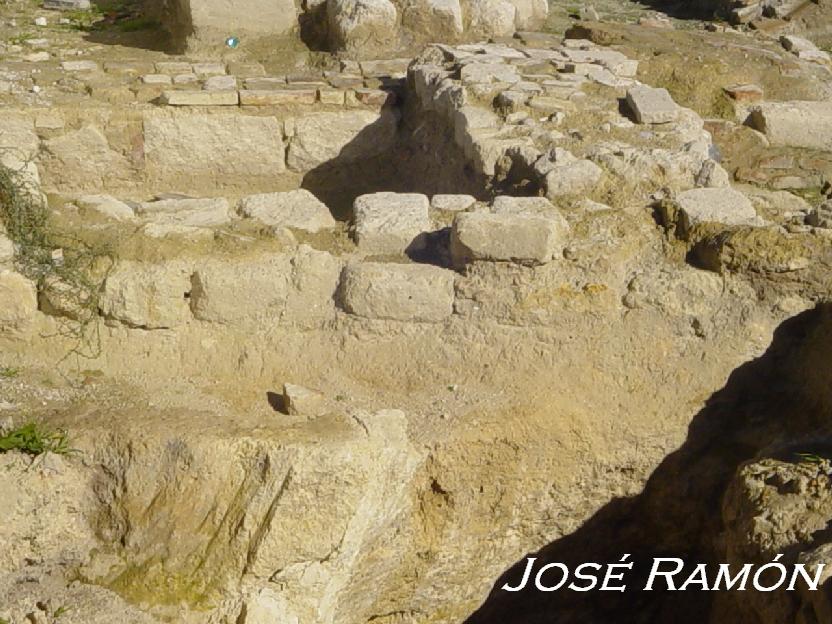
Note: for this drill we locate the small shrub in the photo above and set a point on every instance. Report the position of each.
(65, 268)
(9, 372)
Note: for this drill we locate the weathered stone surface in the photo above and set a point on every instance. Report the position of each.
(530, 14)
(795, 124)
(346, 136)
(67, 5)
(220, 83)
(18, 300)
(390, 223)
(187, 212)
(84, 159)
(470, 118)
(572, 178)
(745, 92)
(285, 288)
(505, 204)
(200, 98)
(164, 79)
(651, 105)
(255, 17)
(151, 296)
(79, 66)
(714, 205)
(299, 209)
(6, 249)
(452, 203)
(213, 145)
(105, 206)
(523, 238)
(485, 18)
(300, 401)
(18, 147)
(821, 216)
(366, 26)
(398, 292)
(487, 73)
(277, 97)
(439, 20)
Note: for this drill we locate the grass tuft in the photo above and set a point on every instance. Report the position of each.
(34, 440)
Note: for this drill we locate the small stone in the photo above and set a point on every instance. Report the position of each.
(40, 21)
(200, 98)
(278, 97)
(208, 69)
(651, 105)
(67, 5)
(78, 66)
(220, 83)
(105, 206)
(299, 210)
(37, 57)
(745, 92)
(572, 178)
(156, 79)
(207, 212)
(300, 401)
(185, 79)
(173, 67)
(6, 249)
(390, 223)
(711, 205)
(331, 96)
(452, 203)
(821, 217)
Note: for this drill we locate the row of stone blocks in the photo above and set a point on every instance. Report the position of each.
(305, 287)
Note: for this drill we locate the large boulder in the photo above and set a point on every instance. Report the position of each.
(438, 20)
(485, 18)
(362, 26)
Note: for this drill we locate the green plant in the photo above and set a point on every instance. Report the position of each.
(9, 372)
(62, 610)
(810, 458)
(68, 271)
(34, 440)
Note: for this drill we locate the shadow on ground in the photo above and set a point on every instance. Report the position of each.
(781, 397)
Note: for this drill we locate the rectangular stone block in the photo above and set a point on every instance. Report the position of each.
(278, 97)
(200, 98)
(651, 105)
(397, 292)
(390, 223)
(523, 238)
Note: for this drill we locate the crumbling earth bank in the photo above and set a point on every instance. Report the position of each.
(497, 280)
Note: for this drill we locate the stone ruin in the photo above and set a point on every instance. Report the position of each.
(367, 331)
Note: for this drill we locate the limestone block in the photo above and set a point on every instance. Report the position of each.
(299, 209)
(18, 300)
(390, 223)
(213, 145)
(105, 206)
(398, 292)
(572, 178)
(200, 98)
(651, 105)
(151, 296)
(365, 26)
(522, 238)
(186, 212)
(487, 18)
(452, 203)
(438, 20)
(712, 205)
(346, 136)
(795, 124)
